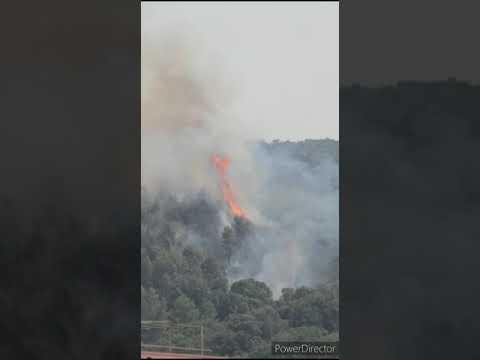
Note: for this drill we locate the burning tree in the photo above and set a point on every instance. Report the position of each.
(221, 165)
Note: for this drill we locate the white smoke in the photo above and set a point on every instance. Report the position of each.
(186, 118)
(302, 205)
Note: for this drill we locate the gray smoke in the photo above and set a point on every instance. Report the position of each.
(292, 202)
(300, 202)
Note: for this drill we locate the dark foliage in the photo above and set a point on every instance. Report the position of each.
(186, 256)
(410, 202)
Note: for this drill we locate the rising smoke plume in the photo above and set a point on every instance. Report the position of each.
(292, 204)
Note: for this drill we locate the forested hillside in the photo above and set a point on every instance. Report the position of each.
(189, 256)
(410, 197)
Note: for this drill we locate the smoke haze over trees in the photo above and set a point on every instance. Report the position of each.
(199, 264)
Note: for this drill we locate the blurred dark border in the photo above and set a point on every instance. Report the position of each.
(70, 180)
(409, 176)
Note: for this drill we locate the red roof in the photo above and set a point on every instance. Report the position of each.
(166, 355)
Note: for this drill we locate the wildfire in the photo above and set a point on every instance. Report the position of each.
(221, 164)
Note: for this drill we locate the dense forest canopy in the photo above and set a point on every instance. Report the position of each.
(198, 269)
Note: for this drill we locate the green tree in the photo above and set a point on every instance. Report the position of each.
(223, 341)
(228, 243)
(146, 269)
(184, 310)
(191, 259)
(253, 290)
(303, 333)
(152, 307)
(207, 310)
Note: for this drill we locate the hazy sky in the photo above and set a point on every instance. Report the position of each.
(282, 59)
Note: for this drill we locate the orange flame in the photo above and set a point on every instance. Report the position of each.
(221, 164)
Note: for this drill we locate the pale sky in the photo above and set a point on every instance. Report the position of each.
(282, 58)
